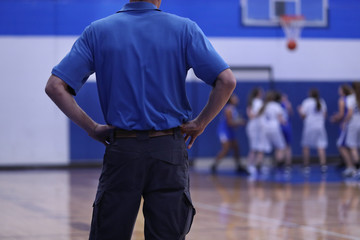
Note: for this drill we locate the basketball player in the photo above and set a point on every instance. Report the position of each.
(272, 116)
(141, 56)
(229, 121)
(313, 110)
(286, 128)
(254, 132)
(351, 136)
(344, 91)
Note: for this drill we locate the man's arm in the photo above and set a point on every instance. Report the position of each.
(220, 94)
(57, 90)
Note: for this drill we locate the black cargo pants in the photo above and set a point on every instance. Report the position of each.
(154, 168)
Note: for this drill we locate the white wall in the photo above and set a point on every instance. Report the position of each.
(34, 131)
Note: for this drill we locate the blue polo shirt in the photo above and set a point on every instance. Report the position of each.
(141, 56)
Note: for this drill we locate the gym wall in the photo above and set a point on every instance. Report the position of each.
(35, 35)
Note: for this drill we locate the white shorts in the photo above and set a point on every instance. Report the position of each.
(274, 139)
(256, 136)
(314, 138)
(352, 139)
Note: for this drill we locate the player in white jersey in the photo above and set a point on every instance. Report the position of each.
(272, 116)
(313, 110)
(352, 123)
(344, 91)
(254, 131)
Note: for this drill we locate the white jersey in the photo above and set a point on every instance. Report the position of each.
(314, 133)
(253, 128)
(270, 120)
(351, 103)
(270, 117)
(313, 117)
(256, 105)
(352, 136)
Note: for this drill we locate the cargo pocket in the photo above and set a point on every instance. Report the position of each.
(189, 215)
(95, 217)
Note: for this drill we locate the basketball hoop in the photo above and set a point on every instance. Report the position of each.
(292, 26)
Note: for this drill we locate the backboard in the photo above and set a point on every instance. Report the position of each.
(268, 12)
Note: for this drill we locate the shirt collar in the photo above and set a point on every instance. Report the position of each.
(138, 6)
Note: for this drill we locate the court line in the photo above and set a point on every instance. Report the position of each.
(213, 208)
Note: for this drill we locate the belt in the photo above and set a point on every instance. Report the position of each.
(120, 133)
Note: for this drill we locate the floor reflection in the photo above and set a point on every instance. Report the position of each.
(57, 205)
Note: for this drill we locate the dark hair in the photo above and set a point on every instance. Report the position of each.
(346, 89)
(270, 96)
(253, 94)
(314, 93)
(356, 87)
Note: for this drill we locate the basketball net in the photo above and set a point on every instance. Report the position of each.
(292, 26)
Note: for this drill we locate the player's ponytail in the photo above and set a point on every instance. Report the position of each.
(314, 93)
(356, 87)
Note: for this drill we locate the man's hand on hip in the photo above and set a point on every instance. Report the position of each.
(191, 130)
(102, 133)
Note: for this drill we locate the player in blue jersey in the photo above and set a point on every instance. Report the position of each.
(286, 128)
(141, 57)
(229, 121)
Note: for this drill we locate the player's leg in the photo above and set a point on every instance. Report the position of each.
(225, 147)
(322, 158)
(306, 157)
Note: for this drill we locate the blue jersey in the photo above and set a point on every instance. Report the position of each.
(141, 56)
(225, 131)
(286, 127)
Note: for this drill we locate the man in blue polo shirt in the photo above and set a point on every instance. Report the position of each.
(141, 56)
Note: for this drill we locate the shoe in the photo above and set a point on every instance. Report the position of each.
(240, 169)
(349, 172)
(324, 168)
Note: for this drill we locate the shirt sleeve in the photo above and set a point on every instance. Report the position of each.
(202, 57)
(76, 67)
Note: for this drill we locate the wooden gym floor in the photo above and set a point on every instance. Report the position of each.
(57, 205)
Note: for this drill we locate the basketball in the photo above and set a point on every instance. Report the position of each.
(291, 45)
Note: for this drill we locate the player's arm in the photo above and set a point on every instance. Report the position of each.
(220, 94)
(301, 111)
(59, 93)
(341, 111)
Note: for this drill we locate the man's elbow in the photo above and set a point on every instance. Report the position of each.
(54, 86)
(228, 80)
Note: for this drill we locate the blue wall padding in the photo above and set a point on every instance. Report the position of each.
(84, 148)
